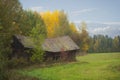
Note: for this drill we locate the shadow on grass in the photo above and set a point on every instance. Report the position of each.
(114, 68)
(16, 76)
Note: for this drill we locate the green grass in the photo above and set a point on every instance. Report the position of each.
(103, 66)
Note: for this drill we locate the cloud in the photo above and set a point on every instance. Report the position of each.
(37, 8)
(110, 30)
(88, 22)
(98, 22)
(79, 12)
(101, 29)
(112, 23)
(77, 21)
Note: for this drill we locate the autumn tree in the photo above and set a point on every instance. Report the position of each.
(51, 21)
(73, 27)
(57, 24)
(63, 27)
(81, 37)
(10, 13)
(84, 37)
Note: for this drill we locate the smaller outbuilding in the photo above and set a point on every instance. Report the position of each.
(56, 49)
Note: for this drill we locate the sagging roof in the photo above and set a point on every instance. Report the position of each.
(58, 44)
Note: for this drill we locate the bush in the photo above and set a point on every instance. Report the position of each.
(17, 63)
(3, 70)
(3, 74)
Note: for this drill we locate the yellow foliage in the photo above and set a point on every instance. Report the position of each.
(73, 28)
(51, 20)
(85, 47)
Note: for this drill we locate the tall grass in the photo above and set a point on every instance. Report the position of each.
(90, 67)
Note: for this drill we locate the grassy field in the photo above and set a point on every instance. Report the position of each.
(103, 66)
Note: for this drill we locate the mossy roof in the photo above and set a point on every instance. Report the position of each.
(64, 43)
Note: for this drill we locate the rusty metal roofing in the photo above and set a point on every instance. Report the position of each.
(58, 44)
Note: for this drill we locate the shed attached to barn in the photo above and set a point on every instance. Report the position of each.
(60, 48)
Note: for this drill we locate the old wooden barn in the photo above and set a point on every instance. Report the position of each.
(60, 48)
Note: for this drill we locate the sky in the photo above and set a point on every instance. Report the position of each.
(93, 12)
